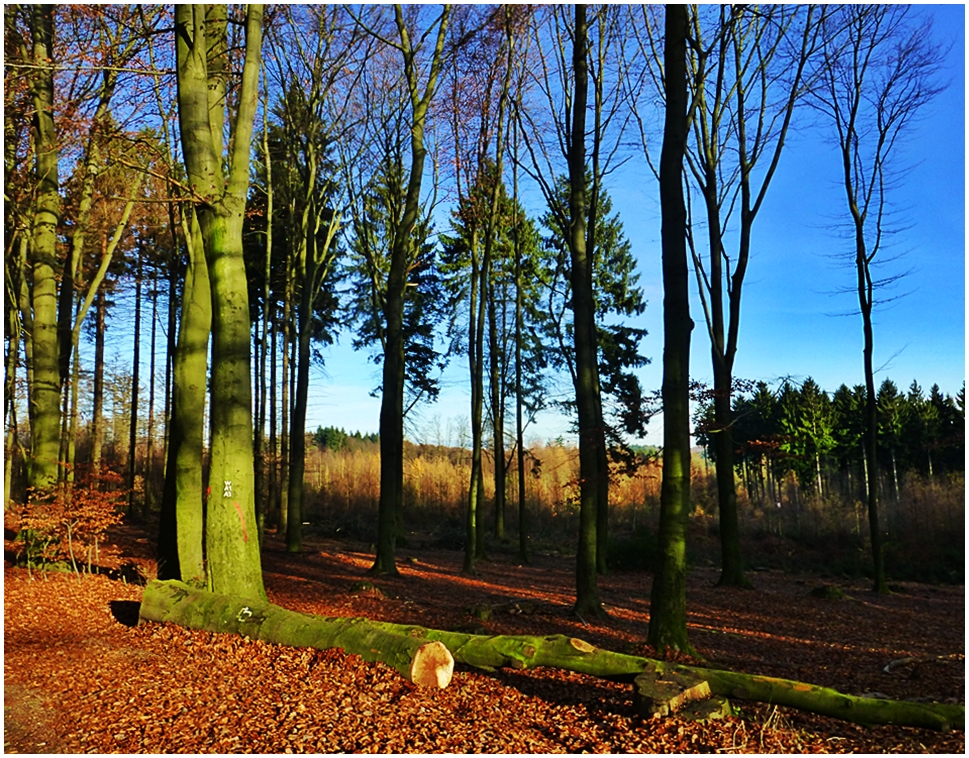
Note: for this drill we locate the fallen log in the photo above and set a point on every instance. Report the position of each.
(411, 651)
(571, 654)
(420, 661)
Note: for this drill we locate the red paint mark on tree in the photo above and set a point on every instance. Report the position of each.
(242, 519)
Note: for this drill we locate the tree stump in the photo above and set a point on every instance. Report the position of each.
(662, 693)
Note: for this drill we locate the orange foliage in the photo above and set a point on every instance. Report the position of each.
(67, 526)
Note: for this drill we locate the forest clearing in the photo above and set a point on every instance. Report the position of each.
(80, 678)
(537, 219)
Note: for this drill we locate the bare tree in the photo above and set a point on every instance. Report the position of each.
(881, 69)
(578, 76)
(421, 71)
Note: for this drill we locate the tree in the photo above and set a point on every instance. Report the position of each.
(880, 72)
(747, 84)
(667, 624)
(578, 79)
(479, 145)
(410, 46)
(618, 297)
(220, 186)
(40, 316)
(311, 69)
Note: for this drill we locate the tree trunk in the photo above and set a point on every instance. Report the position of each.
(271, 495)
(44, 371)
(476, 368)
(135, 381)
(497, 412)
(297, 445)
(731, 568)
(180, 539)
(263, 497)
(586, 357)
(232, 544)
(285, 407)
(401, 645)
(97, 413)
(571, 654)
(149, 501)
(667, 625)
(422, 662)
(392, 402)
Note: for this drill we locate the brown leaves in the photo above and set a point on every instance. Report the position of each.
(78, 680)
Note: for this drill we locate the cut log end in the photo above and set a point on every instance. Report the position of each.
(432, 666)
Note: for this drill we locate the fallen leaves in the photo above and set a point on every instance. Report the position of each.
(77, 680)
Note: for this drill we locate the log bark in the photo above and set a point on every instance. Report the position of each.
(420, 661)
(571, 654)
(427, 656)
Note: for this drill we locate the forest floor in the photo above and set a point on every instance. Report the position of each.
(80, 676)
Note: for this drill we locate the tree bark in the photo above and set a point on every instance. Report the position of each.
(571, 654)
(586, 357)
(392, 401)
(420, 661)
(400, 645)
(667, 625)
(135, 382)
(44, 369)
(180, 538)
(232, 540)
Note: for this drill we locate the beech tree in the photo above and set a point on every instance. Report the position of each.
(577, 77)
(479, 109)
(220, 185)
(311, 65)
(667, 622)
(881, 70)
(39, 307)
(421, 80)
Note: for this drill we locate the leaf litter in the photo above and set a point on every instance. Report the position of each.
(80, 677)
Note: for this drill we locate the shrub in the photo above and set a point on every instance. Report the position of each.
(65, 527)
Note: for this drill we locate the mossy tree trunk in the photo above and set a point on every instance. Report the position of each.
(420, 661)
(180, 540)
(44, 369)
(401, 645)
(232, 540)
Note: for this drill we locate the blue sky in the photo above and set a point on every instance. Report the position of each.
(793, 321)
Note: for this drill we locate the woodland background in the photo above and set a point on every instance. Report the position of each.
(361, 170)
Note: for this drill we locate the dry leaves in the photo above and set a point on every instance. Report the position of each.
(78, 680)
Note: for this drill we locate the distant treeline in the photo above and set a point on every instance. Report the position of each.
(818, 437)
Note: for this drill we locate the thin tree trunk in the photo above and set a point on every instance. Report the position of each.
(498, 415)
(97, 412)
(285, 408)
(476, 367)
(135, 382)
(272, 495)
(297, 445)
(392, 402)
(149, 500)
(259, 444)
